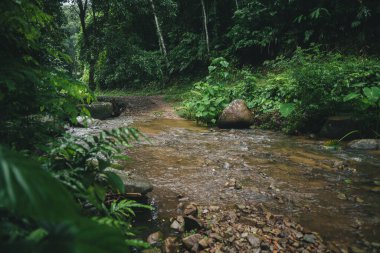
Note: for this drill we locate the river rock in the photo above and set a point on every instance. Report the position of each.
(118, 103)
(100, 110)
(191, 209)
(170, 245)
(254, 241)
(338, 126)
(155, 237)
(191, 242)
(236, 115)
(85, 121)
(178, 224)
(309, 238)
(367, 144)
(133, 183)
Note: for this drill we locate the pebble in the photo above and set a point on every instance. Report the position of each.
(310, 238)
(342, 196)
(254, 241)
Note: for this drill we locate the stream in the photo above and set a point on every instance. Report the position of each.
(333, 192)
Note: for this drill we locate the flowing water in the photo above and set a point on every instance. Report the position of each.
(333, 192)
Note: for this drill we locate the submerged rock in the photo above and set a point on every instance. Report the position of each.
(236, 115)
(366, 144)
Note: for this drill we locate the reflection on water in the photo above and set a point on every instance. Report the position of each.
(333, 192)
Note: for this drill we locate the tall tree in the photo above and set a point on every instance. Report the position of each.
(204, 14)
(89, 55)
(161, 41)
(237, 4)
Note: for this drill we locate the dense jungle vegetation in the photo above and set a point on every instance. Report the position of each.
(294, 62)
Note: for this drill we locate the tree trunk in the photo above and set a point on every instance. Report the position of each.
(205, 26)
(161, 41)
(91, 75)
(237, 4)
(94, 51)
(82, 6)
(82, 17)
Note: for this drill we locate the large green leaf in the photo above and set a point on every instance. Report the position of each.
(27, 190)
(286, 109)
(350, 97)
(373, 93)
(115, 181)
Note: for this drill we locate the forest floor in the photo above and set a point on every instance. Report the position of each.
(252, 182)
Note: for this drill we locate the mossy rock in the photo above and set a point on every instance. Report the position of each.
(101, 110)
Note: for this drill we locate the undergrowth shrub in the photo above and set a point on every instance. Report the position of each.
(207, 99)
(312, 85)
(65, 194)
(294, 94)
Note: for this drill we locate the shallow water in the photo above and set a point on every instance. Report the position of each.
(327, 191)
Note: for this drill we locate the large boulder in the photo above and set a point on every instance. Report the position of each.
(366, 144)
(100, 110)
(133, 183)
(338, 126)
(236, 115)
(118, 103)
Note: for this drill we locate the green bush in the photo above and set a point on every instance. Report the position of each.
(205, 102)
(312, 85)
(207, 99)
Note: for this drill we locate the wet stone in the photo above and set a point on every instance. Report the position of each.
(191, 209)
(155, 237)
(253, 241)
(170, 245)
(310, 238)
(191, 241)
(342, 196)
(178, 224)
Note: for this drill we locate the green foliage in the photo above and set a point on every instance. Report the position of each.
(286, 109)
(295, 94)
(46, 212)
(129, 70)
(36, 96)
(312, 85)
(207, 99)
(205, 102)
(75, 170)
(266, 28)
(81, 163)
(187, 53)
(40, 204)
